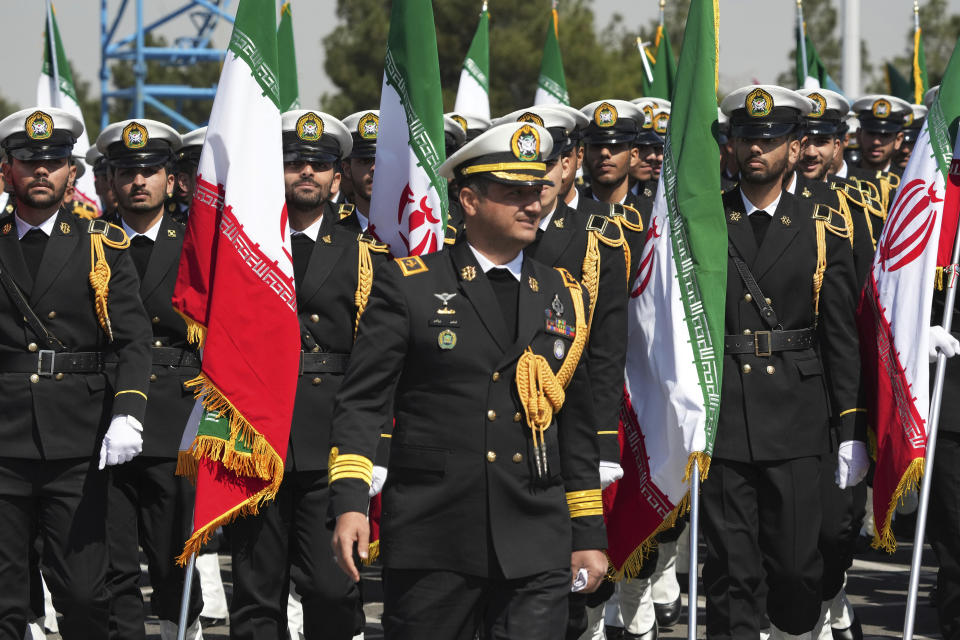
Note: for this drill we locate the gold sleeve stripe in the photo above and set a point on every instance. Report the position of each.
(139, 393)
(857, 410)
(585, 503)
(386, 435)
(607, 433)
(349, 465)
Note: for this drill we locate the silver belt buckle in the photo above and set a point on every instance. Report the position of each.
(41, 369)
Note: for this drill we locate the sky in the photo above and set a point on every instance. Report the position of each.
(755, 36)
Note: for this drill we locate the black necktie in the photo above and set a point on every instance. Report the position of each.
(32, 244)
(140, 249)
(507, 289)
(302, 248)
(760, 221)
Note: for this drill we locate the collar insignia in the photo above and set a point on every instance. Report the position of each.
(806, 193)
(558, 223)
(171, 233)
(327, 239)
(468, 273)
(134, 136)
(368, 126)
(785, 221)
(38, 125)
(64, 228)
(758, 104)
(7, 228)
(525, 143)
(534, 285)
(735, 216)
(310, 127)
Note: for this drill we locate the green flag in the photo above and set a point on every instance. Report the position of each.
(473, 95)
(551, 85)
(816, 76)
(664, 69)
(289, 88)
(897, 85)
(918, 78)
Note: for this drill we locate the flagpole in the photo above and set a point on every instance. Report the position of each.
(185, 598)
(663, 3)
(934, 423)
(916, 15)
(52, 45)
(803, 39)
(694, 535)
(642, 46)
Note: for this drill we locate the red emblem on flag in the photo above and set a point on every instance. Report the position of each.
(909, 225)
(417, 221)
(645, 269)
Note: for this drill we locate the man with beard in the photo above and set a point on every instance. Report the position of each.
(789, 321)
(333, 269)
(149, 505)
(108, 201)
(609, 151)
(69, 304)
(645, 172)
(188, 159)
(364, 126)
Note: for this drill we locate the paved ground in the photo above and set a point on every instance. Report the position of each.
(877, 586)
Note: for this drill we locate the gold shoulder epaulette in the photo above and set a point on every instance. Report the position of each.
(84, 210)
(375, 245)
(345, 210)
(627, 216)
(450, 236)
(606, 230)
(411, 265)
(568, 280)
(113, 234)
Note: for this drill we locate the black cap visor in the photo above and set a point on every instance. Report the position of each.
(818, 127)
(155, 153)
(649, 137)
(37, 153)
(363, 148)
(764, 130)
(875, 125)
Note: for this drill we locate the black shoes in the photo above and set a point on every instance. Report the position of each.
(668, 614)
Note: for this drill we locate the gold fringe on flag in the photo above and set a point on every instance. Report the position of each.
(634, 562)
(187, 466)
(263, 461)
(373, 552)
(884, 538)
(196, 332)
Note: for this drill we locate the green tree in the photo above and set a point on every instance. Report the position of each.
(198, 74)
(7, 107)
(596, 64)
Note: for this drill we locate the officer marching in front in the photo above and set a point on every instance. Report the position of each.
(333, 267)
(492, 504)
(69, 304)
(149, 505)
(789, 321)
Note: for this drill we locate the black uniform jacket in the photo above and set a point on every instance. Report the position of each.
(633, 217)
(327, 310)
(63, 416)
(463, 493)
(839, 193)
(777, 407)
(169, 403)
(564, 243)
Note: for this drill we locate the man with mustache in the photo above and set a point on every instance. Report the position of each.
(333, 269)
(786, 329)
(363, 127)
(66, 416)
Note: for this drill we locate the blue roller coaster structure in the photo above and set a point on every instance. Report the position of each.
(203, 15)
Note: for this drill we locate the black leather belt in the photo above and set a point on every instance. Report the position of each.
(174, 357)
(764, 343)
(47, 363)
(323, 362)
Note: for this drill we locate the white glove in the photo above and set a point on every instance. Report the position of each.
(610, 472)
(941, 340)
(376, 482)
(123, 441)
(852, 463)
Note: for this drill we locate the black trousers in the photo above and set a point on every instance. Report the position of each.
(289, 540)
(63, 503)
(761, 521)
(944, 520)
(445, 605)
(149, 507)
(843, 511)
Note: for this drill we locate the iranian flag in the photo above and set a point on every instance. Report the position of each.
(56, 89)
(918, 75)
(664, 68)
(473, 94)
(894, 313)
(552, 84)
(235, 286)
(675, 315)
(408, 209)
(289, 87)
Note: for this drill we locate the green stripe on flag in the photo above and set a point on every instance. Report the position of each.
(477, 62)
(287, 56)
(63, 65)
(698, 226)
(552, 79)
(254, 42)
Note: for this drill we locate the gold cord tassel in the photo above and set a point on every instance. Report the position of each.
(364, 281)
(100, 277)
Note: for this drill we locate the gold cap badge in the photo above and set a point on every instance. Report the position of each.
(134, 136)
(309, 127)
(525, 143)
(758, 104)
(368, 126)
(660, 123)
(605, 115)
(460, 120)
(531, 117)
(820, 105)
(38, 125)
(881, 109)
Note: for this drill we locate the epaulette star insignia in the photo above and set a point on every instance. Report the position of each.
(468, 273)
(534, 285)
(785, 221)
(64, 228)
(558, 223)
(735, 216)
